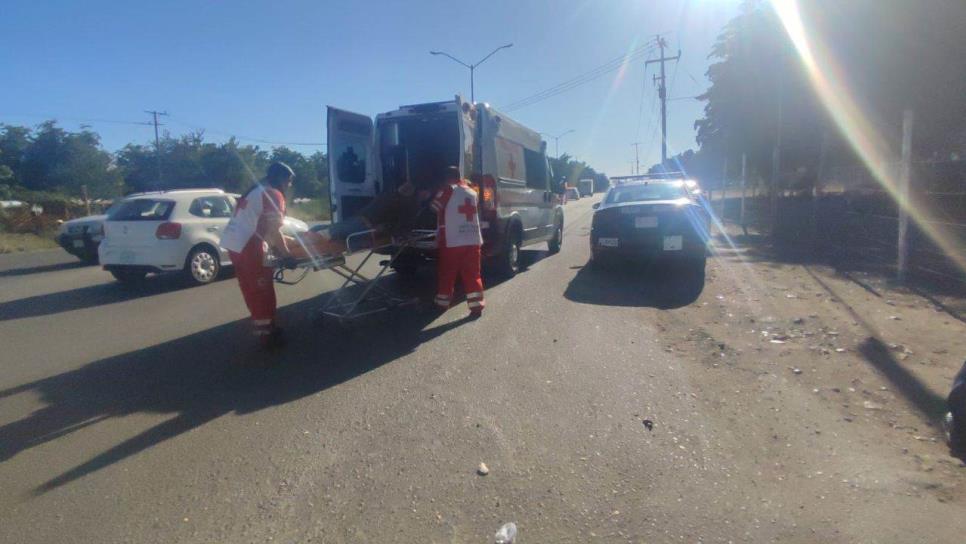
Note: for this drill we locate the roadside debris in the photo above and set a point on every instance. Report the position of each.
(648, 424)
(797, 370)
(482, 470)
(507, 534)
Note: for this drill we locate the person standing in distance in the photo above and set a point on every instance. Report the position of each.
(254, 229)
(458, 240)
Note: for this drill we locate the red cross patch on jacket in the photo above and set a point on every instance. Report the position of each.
(458, 219)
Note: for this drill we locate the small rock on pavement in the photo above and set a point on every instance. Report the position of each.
(648, 424)
(482, 470)
(797, 370)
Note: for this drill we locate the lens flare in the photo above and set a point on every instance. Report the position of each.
(830, 84)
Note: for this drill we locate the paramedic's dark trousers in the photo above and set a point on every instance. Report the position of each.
(257, 285)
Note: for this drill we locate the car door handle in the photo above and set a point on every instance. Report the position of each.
(212, 229)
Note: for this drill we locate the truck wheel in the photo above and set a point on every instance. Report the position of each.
(508, 263)
(554, 244)
(202, 266)
(128, 276)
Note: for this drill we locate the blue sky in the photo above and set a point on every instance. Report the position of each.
(266, 70)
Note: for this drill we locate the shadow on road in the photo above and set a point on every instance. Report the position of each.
(89, 297)
(873, 349)
(43, 268)
(633, 284)
(208, 374)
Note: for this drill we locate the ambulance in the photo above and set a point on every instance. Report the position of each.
(520, 202)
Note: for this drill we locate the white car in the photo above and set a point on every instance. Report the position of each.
(573, 193)
(171, 231)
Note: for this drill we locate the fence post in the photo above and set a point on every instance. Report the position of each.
(744, 182)
(819, 177)
(903, 200)
(724, 188)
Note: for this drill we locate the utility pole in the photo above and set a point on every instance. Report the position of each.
(637, 157)
(157, 141)
(662, 93)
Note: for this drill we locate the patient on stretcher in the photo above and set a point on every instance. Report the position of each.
(388, 214)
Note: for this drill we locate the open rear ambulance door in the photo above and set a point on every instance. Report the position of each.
(352, 165)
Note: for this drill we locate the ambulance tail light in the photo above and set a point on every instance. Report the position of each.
(168, 231)
(488, 195)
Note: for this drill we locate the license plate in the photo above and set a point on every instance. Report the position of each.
(647, 222)
(673, 243)
(607, 242)
(127, 257)
(78, 243)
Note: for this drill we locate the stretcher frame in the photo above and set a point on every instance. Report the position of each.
(346, 306)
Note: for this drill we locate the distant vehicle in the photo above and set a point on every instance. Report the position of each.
(519, 204)
(586, 186)
(573, 193)
(650, 220)
(82, 236)
(171, 231)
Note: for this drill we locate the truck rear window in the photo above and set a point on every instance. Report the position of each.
(142, 209)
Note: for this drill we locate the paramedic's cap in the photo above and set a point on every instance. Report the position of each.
(452, 172)
(279, 171)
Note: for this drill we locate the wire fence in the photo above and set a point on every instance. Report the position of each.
(849, 218)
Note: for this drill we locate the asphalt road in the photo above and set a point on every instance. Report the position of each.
(145, 416)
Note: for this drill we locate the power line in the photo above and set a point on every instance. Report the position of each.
(581, 79)
(245, 138)
(74, 119)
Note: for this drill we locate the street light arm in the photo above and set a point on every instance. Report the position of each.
(451, 57)
(491, 54)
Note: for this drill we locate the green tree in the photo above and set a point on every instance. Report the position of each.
(307, 183)
(57, 160)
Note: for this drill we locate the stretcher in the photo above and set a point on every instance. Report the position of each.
(360, 294)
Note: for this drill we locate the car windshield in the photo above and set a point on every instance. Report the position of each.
(142, 209)
(646, 191)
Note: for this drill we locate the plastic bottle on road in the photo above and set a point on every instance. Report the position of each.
(507, 534)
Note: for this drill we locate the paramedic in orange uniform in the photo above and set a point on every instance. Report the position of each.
(254, 229)
(458, 240)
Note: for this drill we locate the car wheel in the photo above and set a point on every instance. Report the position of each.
(128, 276)
(509, 260)
(202, 266)
(554, 244)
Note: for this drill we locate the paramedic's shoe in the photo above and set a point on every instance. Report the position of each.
(476, 313)
(273, 340)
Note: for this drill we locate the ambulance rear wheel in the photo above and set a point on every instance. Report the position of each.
(406, 272)
(508, 263)
(554, 244)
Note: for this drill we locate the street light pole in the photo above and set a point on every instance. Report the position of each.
(472, 67)
(556, 141)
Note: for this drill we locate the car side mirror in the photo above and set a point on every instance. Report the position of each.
(596, 205)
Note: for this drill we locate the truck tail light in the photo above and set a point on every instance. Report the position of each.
(168, 231)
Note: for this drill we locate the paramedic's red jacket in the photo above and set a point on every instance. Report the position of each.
(458, 240)
(257, 213)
